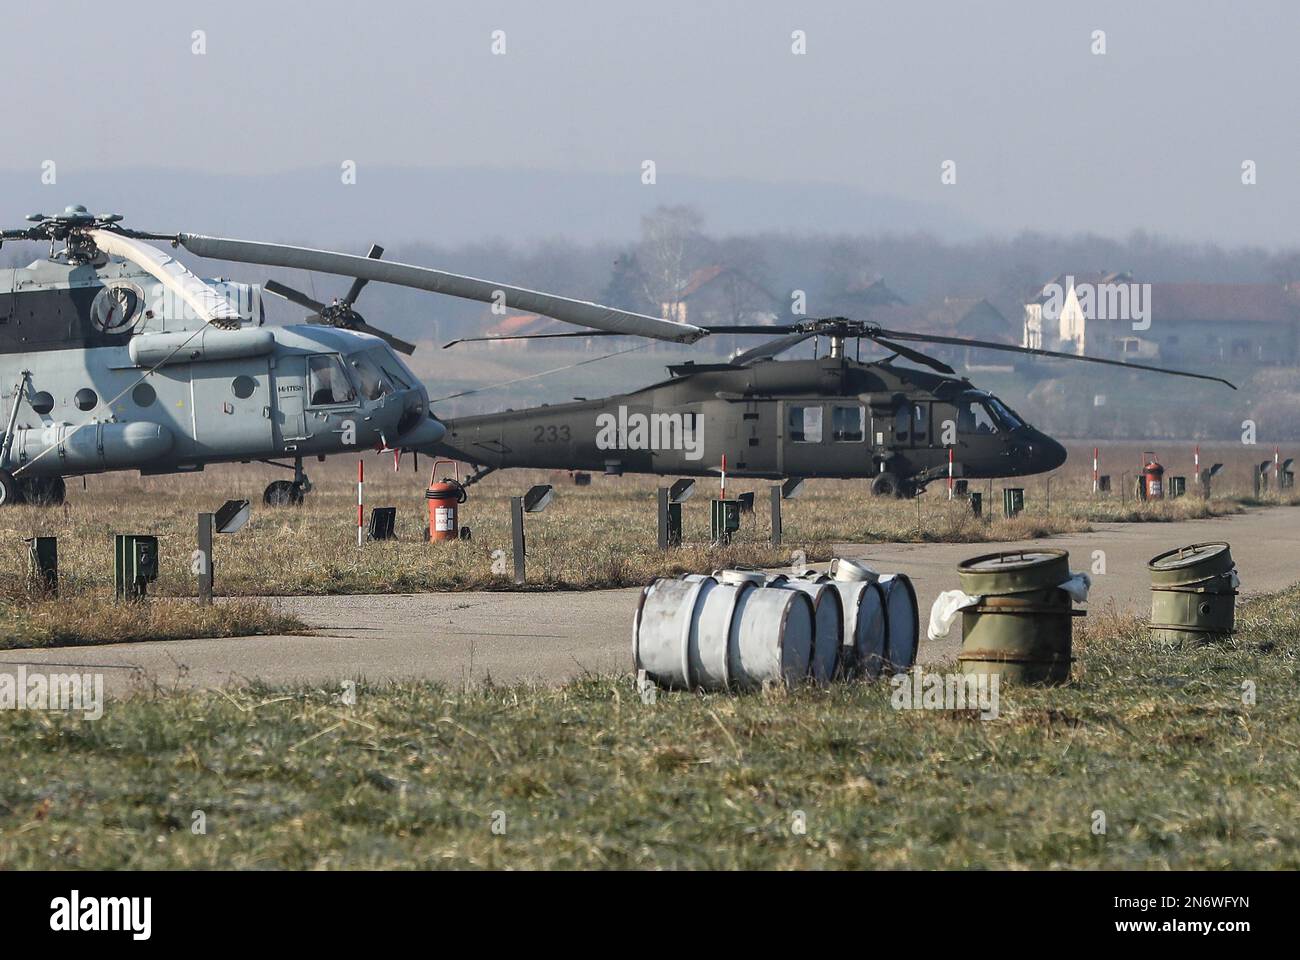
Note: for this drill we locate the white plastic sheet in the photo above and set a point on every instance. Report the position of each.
(944, 611)
(952, 602)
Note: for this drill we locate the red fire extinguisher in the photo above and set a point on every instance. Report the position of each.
(1153, 478)
(445, 497)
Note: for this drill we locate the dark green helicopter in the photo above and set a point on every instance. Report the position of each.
(756, 416)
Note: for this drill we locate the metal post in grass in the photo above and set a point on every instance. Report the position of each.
(517, 534)
(203, 559)
(775, 493)
(43, 554)
(361, 483)
(534, 501)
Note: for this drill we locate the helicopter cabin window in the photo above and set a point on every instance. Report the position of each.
(327, 381)
(911, 420)
(805, 424)
(848, 424)
(42, 402)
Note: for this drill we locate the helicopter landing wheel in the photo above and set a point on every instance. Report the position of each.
(43, 491)
(886, 485)
(283, 493)
(9, 490)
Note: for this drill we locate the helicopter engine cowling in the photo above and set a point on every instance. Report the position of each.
(187, 346)
(94, 447)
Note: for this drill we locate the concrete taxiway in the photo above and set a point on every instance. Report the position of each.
(552, 636)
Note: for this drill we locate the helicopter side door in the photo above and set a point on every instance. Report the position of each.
(290, 415)
(761, 453)
(232, 408)
(804, 438)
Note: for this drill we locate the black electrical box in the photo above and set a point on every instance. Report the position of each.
(383, 521)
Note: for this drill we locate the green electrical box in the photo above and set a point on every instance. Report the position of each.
(725, 519)
(1013, 501)
(135, 564)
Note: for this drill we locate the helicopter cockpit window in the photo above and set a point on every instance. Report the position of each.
(327, 381)
(805, 424)
(1002, 413)
(974, 418)
(848, 424)
(378, 372)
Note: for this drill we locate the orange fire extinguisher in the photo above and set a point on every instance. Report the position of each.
(1153, 478)
(445, 497)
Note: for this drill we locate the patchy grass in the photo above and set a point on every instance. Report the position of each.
(85, 620)
(1159, 739)
(601, 535)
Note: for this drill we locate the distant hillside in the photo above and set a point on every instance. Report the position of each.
(450, 206)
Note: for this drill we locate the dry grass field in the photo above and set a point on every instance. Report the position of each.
(600, 535)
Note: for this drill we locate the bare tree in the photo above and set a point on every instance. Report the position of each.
(671, 241)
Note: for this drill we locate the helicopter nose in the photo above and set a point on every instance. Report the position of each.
(1047, 453)
(425, 434)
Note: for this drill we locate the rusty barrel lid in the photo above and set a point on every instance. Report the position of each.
(1191, 564)
(1014, 571)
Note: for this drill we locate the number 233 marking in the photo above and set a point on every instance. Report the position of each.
(551, 434)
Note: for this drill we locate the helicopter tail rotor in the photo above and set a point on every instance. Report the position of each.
(341, 313)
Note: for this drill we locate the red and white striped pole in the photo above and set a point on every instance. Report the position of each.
(950, 473)
(1094, 471)
(724, 477)
(361, 483)
(1277, 468)
(1196, 466)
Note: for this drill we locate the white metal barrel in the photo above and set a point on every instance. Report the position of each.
(771, 638)
(828, 611)
(848, 571)
(863, 653)
(755, 577)
(710, 634)
(661, 630)
(902, 621)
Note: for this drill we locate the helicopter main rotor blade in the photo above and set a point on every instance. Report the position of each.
(914, 355)
(578, 312)
(766, 351)
(354, 291)
(293, 296)
(535, 336)
(1035, 351)
(207, 304)
(744, 330)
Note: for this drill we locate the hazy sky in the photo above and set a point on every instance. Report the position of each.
(1045, 134)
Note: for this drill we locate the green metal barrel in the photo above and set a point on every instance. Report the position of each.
(1022, 629)
(1193, 596)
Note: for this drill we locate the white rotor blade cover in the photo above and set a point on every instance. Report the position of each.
(209, 305)
(580, 312)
